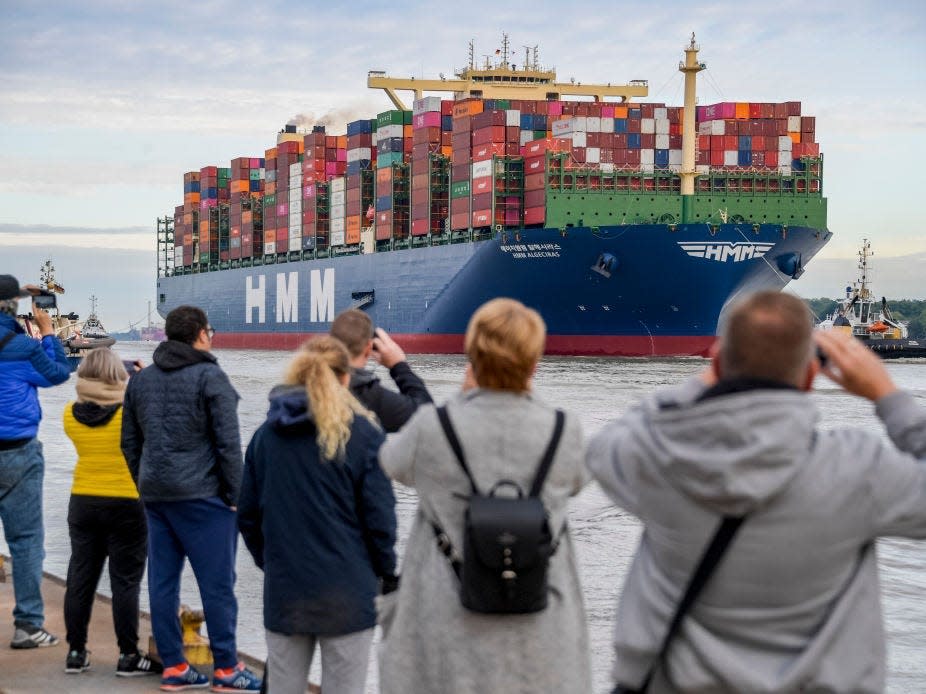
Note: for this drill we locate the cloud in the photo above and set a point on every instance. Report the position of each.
(52, 238)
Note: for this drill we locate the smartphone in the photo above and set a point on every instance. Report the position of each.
(45, 301)
(130, 367)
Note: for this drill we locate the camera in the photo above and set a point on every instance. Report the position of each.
(45, 301)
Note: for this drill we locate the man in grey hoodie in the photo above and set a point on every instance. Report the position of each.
(794, 604)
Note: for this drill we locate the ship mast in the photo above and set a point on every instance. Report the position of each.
(690, 68)
(863, 255)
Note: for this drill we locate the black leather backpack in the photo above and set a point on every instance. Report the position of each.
(507, 541)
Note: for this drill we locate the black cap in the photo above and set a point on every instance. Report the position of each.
(10, 289)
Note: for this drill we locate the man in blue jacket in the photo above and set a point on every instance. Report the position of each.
(180, 439)
(26, 365)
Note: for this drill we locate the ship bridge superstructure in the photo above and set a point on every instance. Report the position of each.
(500, 77)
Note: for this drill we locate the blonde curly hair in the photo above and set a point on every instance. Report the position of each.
(318, 366)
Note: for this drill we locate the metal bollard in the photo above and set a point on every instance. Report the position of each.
(195, 645)
(2, 571)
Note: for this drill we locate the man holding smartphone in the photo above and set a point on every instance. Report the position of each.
(26, 364)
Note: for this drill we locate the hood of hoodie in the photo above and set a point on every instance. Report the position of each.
(93, 415)
(289, 408)
(172, 355)
(361, 377)
(730, 452)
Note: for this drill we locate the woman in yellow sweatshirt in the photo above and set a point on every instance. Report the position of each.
(105, 517)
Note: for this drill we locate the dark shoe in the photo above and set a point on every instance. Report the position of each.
(236, 679)
(28, 636)
(177, 679)
(137, 665)
(77, 662)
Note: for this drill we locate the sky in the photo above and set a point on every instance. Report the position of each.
(104, 105)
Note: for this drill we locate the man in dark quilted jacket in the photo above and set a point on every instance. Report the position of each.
(180, 438)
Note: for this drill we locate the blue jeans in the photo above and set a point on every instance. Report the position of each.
(206, 531)
(22, 471)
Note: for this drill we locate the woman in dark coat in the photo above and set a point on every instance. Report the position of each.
(318, 515)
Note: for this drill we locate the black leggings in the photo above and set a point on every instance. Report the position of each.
(102, 527)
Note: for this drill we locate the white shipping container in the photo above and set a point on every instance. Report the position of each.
(647, 156)
(579, 124)
(375, 139)
(337, 197)
(513, 118)
(785, 143)
(337, 212)
(704, 127)
(337, 238)
(295, 169)
(700, 168)
(593, 124)
(294, 195)
(593, 155)
(712, 127)
(178, 255)
(482, 168)
(580, 139)
(662, 141)
(295, 233)
(675, 157)
(647, 168)
(730, 157)
(295, 219)
(359, 153)
(660, 113)
(662, 126)
(675, 167)
(607, 167)
(794, 124)
(270, 247)
(647, 126)
(336, 224)
(526, 136)
(426, 104)
(388, 131)
(607, 125)
(295, 207)
(562, 128)
(336, 185)
(784, 169)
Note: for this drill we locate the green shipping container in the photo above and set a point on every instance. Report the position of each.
(254, 174)
(390, 118)
(407, 118)
(460, 189)
(270, 200)
(224, 173)
(540, 134)
(384, 161)
(503, 104)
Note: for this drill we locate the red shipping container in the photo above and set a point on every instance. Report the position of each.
(482, 201)
(771, 158)
(535, 181)
(481, 185)
(487, 151)
(513, 134)
(758, 142)
(459, 221)
(730, 142)
(647, 141)
(675, 141)
(535, 198)
(703, 157)
(633, 157)
(420, 227)
(538, 147)
(716, 157)
(459, 205)
(606, 156)
(495, 133)
(757, 159)
(793, 107)
(283, 244)
(808, 124)
(578, 154)
(534, 165)
(633, 125)
(482, 218)
(535, 215)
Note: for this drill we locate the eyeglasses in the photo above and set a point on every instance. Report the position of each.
(210, 331)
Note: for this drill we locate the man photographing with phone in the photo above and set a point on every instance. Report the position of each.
(354, 328)
(26, 364)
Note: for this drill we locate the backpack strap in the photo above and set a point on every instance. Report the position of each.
(454, 442)
(6, 339)
(709, 561)
(547, 461)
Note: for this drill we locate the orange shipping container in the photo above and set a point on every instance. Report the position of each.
(270, 235)
(247, 216)
(407, 132)
(742, 111)
(620, 111)
(795, 137)
(270, 153)
(352, 228)
(342, 142)
(467, 107)
(384, 176)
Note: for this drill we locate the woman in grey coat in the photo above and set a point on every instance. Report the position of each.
(431, 643)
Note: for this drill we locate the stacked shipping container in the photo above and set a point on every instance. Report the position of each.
(473, 163)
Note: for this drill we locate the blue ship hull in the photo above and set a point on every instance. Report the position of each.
(633, 290)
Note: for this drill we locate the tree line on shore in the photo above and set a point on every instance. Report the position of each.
(911, 311)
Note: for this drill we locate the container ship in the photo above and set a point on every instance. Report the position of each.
(628, 225)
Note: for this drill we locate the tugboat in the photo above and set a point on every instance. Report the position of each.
(871, 321)
(77, 337)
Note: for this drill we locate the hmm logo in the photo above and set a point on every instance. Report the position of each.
(722, 252)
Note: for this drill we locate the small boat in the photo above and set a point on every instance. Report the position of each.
(77, 337)
(871, 321)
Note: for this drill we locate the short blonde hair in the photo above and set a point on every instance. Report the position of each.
(102, 364)
(504, 342)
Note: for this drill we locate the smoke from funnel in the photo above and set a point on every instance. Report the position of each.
(335, 121)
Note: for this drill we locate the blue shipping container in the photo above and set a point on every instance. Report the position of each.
(191, 187)
(633, 141)
(662, 158)
(744, 157)
(383, 203)
(527, 121)
(254, 186)
(745, 143)
(620, 125)
(389, 145)
(308, 243)
(359, 127)
(635, 113)
(355, 167)
(446, 123)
